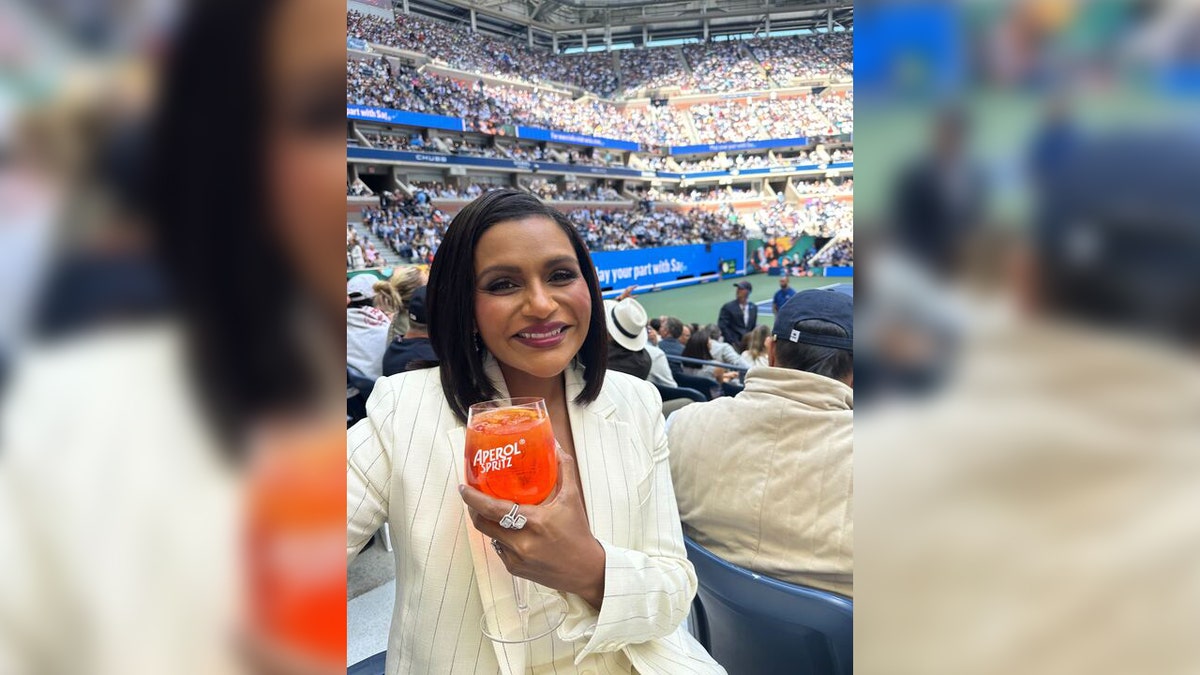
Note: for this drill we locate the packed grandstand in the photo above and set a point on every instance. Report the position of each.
(746, 136)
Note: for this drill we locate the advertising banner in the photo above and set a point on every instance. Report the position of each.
(412, 119)
(763, 144)
(489, 162)
(536, 134)
(761, 171)
(666, 265)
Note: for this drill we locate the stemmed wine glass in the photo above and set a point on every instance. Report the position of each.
(511, 455)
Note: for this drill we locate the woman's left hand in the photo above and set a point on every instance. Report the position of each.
(555, 548)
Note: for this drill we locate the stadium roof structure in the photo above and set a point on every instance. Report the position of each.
(565, 24)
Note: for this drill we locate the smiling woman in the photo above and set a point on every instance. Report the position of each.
(510, 264)
(515, 311)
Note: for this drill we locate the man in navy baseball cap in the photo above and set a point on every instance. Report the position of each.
(811, 324)
(793, 425)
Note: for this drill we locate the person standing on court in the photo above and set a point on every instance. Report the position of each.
(782, 295)
(738, 316)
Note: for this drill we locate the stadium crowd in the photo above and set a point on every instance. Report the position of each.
(723, 66)
(822, 216)
(457, 47)
(825, 187)
(712, 67)
(652, 68)
(721, 161)
(840, 252)
(805, 58)
(414, 228)
(489, 108)
(714, 194)
(738, 120)
(620, 230)
(573, 191)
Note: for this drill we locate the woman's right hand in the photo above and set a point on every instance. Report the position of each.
(555, 547)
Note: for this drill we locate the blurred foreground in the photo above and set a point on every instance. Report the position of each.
(171, 443)
(1030, 300)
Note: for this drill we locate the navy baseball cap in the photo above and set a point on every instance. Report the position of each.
(822, 305)
(416, 307)
(744, 285)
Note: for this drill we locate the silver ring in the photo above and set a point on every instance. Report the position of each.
(497, 547)
(513, 520)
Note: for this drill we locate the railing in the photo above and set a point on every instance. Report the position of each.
(701, 362)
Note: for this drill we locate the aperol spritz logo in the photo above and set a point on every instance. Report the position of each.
(496, 458)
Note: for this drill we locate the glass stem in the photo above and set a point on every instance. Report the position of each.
(519, 594)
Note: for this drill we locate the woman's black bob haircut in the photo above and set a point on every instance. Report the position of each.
(451, 300)
(205, 179)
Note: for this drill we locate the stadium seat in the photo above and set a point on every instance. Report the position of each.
(372, 665)
(705, 385)
(755, 625)
(670, 393)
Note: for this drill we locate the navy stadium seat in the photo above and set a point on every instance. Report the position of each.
(755, 625)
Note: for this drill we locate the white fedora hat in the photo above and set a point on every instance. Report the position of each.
(626, 323)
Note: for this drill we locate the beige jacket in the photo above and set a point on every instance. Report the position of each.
(404, 465)
(765, 480)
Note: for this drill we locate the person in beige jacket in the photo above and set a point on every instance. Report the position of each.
(764, 480)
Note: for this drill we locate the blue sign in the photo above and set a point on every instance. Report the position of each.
(839, 271)
(357, 44)
(739, 145)
(760, 171)
(574, 139)
(488, 162)
(412, 119)
(665, 265)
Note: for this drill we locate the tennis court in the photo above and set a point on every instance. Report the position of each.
(702, 302)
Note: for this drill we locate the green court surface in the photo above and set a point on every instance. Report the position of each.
(701, 303)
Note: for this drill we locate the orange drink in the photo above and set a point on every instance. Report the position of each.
(510, 453)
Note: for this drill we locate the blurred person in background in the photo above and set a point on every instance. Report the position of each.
(721, 350)
(660, 367)
(672, 341)
(738, 316)
(939, 202)
(756, 352)
(393, 295)
(782, 295)
(366, 327)
(1046, 487)
(627, 338)
(162, 443)
(784, 451)
(37, 152)
(414, 350)
(700, 346)
(652, 329)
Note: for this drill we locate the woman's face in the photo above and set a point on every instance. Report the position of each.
(532, 305)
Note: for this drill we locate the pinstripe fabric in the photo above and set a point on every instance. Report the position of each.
(404, 463)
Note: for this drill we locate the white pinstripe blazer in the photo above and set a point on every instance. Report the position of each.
(404, 464)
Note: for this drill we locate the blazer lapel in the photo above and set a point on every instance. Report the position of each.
(613, 464)
(492, 578)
